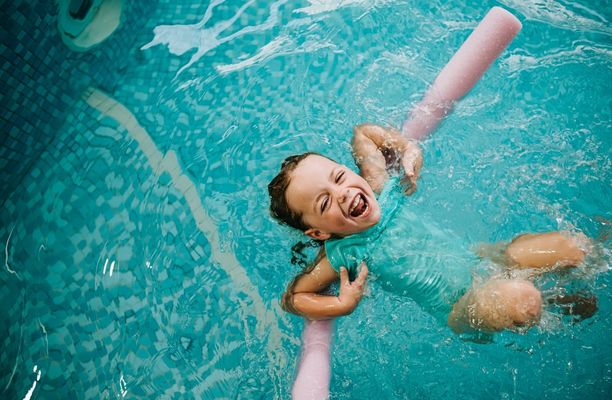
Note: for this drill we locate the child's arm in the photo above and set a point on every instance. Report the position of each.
(301, 297)
(376, 148)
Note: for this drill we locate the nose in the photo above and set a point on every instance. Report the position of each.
(342, 195)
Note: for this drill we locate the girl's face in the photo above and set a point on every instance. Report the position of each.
(331, 198)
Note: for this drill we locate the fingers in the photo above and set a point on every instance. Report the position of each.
(359, 281)
(411, 170)
(352, 292)
(410, 190)
(411, 161)
(286, 303)
(344, 280)
(409, 184)
(363, 274)
(406, 181)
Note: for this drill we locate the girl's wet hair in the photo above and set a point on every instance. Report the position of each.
(280, 210)
(277, 188)
(299, 251)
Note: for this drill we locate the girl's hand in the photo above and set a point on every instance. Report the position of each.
(351, 292)
(412, 161)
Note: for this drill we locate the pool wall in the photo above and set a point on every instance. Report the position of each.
(42, 79)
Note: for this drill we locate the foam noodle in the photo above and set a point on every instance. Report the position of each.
(312, 380)
(482, 47)
(465, 68)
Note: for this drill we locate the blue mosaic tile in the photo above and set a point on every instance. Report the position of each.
(37, 62)
(113, 326)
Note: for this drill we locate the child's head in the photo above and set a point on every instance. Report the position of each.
(322, 198)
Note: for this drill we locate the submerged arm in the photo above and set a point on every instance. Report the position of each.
(301, 297)
(377, 149)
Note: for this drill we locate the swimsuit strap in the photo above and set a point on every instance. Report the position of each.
(389, 201)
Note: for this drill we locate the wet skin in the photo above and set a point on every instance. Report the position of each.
(332, 199)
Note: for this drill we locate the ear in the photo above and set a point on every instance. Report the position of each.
(317, 234)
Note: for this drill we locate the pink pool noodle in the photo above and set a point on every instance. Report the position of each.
(312, 380)
(465, 68)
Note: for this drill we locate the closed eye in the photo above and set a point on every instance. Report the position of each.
(324, 204)
(339, 176)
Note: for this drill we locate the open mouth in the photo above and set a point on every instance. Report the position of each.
(359, 206)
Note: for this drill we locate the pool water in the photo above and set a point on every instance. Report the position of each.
(140, 258)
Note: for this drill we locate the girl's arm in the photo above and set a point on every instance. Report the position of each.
(376, 149)
(301, 297)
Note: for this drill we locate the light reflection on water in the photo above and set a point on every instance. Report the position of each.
(232, 95)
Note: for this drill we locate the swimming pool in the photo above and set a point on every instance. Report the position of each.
(140, 260)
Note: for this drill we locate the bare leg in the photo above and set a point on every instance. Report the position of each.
(545, 250)
(507, 304)
(498, 304)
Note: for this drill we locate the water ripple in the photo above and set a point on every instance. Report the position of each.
(181, 38)
(556, 14)
(583, 52)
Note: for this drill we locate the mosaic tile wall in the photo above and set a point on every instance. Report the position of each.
(114, 291)
(41, 79)
(93, 311)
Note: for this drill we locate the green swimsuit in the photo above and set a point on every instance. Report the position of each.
(408, 254)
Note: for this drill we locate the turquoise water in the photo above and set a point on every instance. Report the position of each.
(140, 260)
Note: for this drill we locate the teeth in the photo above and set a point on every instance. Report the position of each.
(355, 203)
(359, 201)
